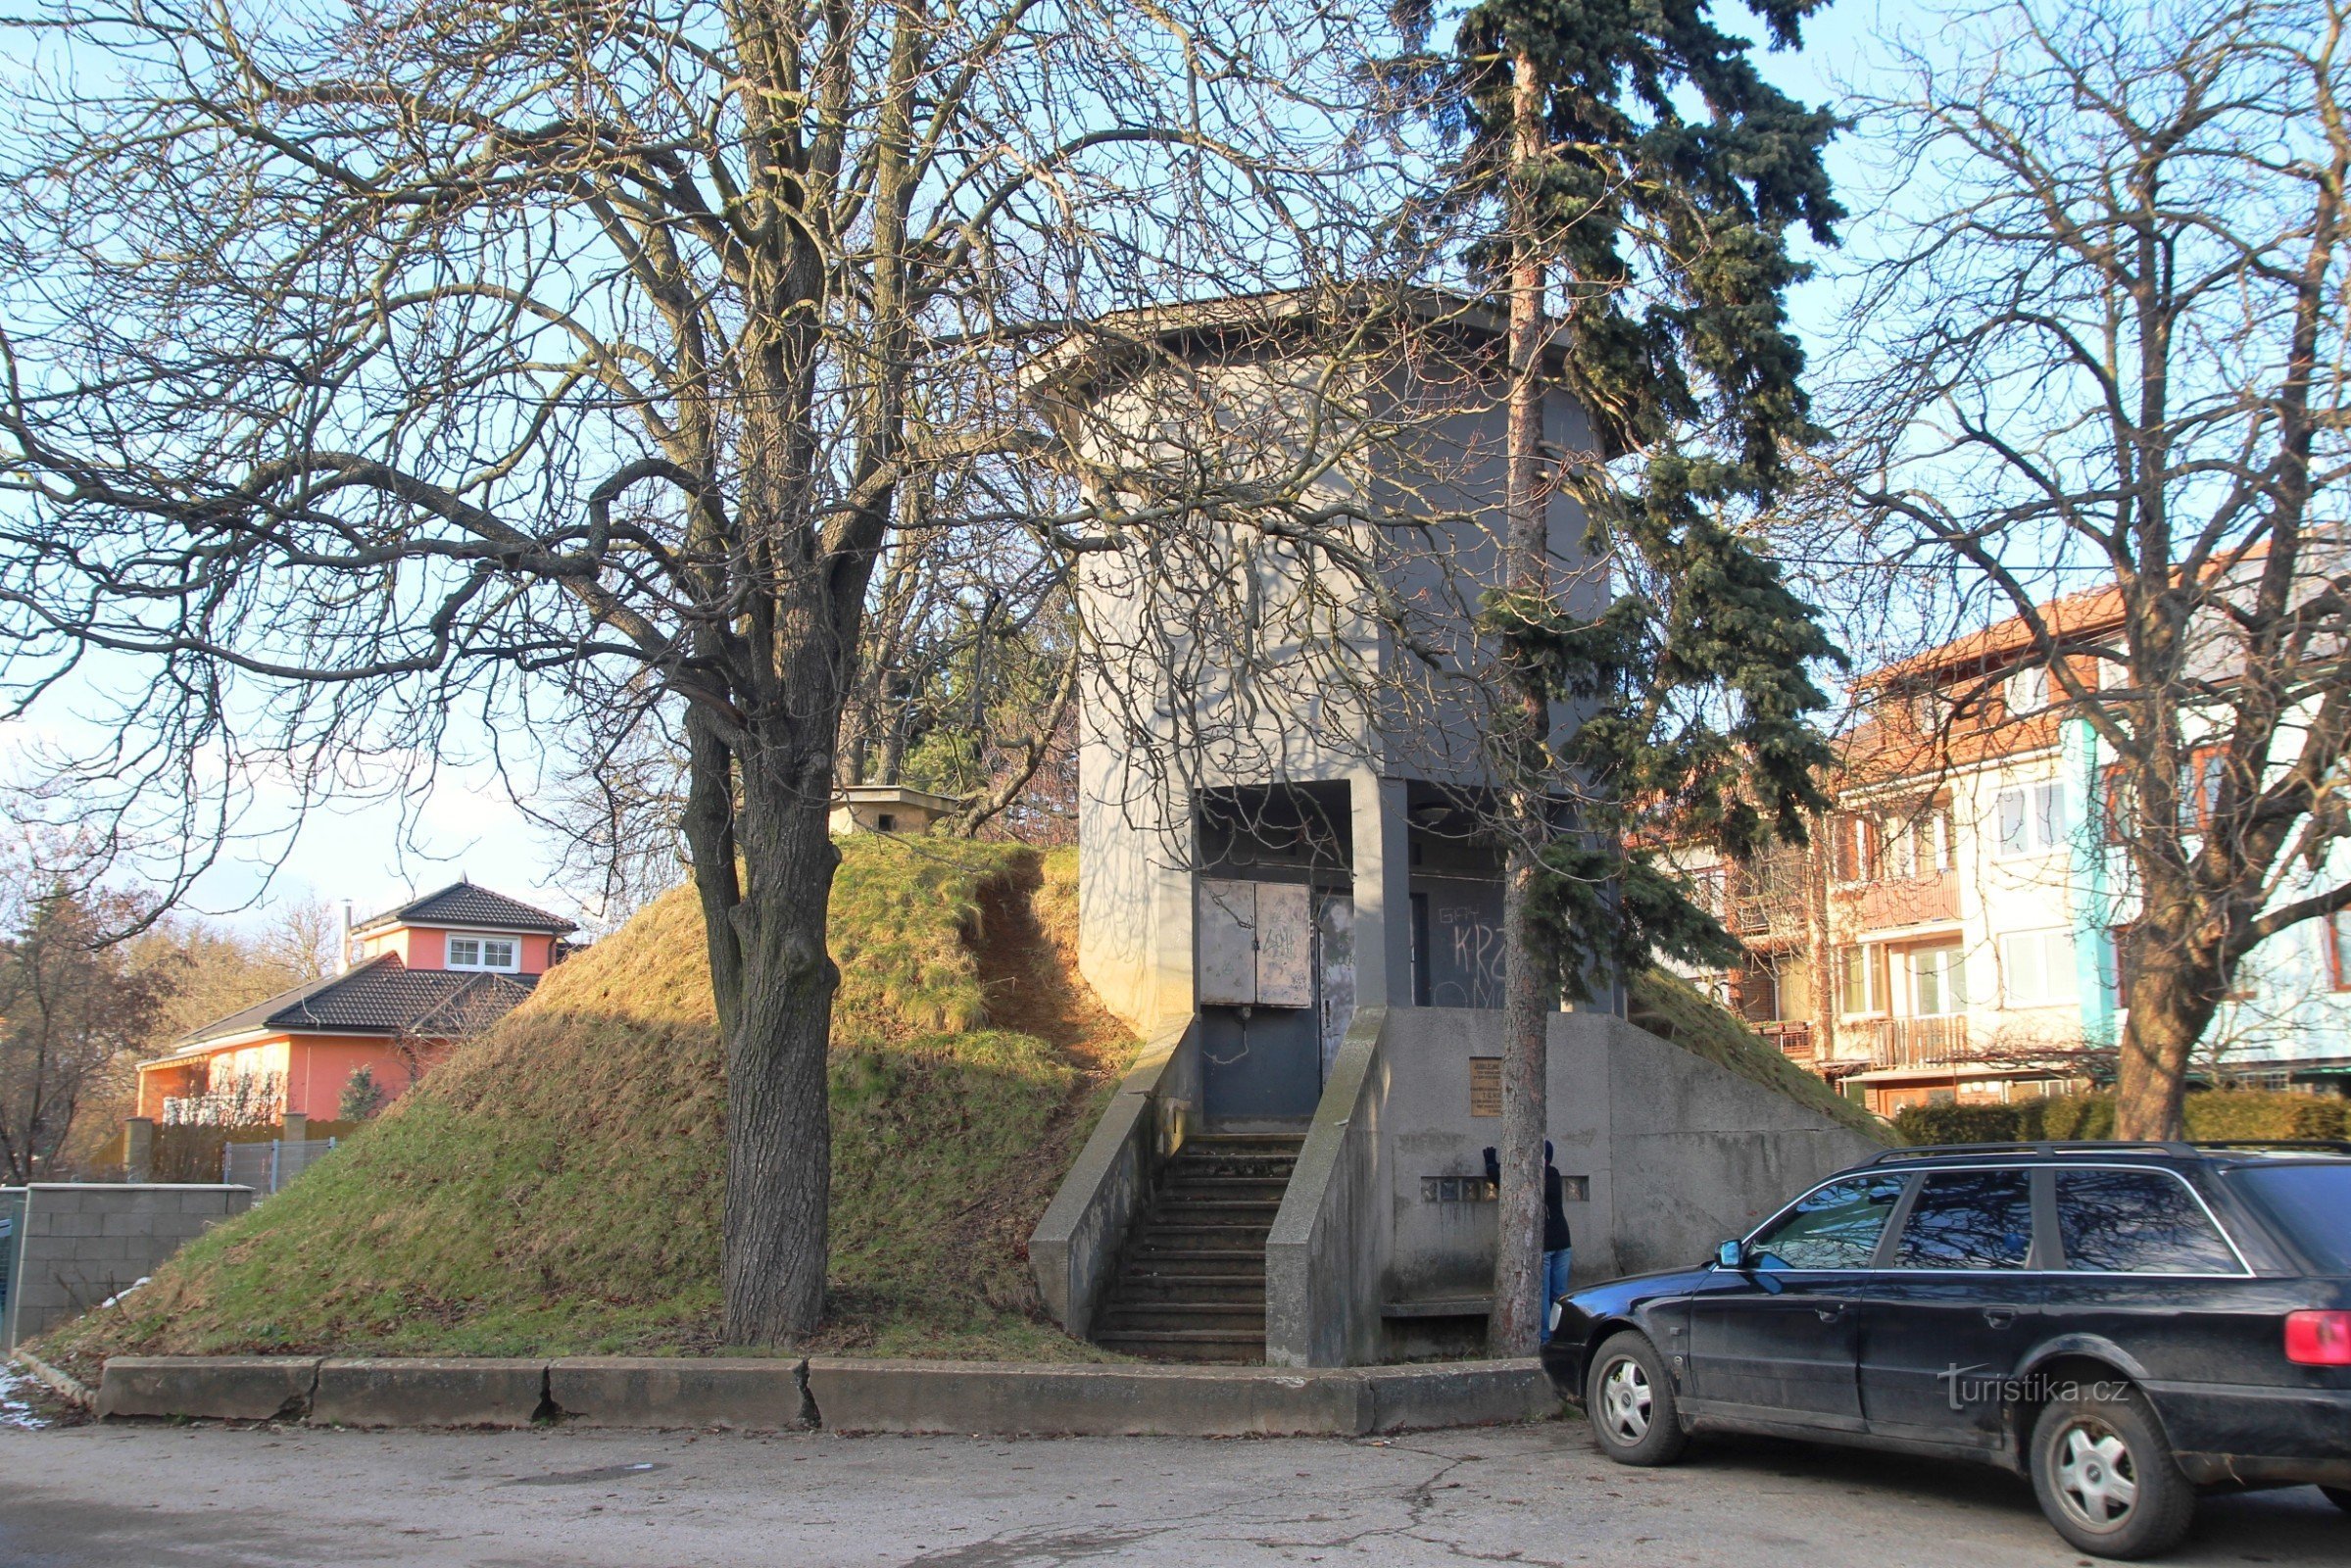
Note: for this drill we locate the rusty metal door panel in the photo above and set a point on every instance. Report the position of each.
(1285, 945)
(1228, 942)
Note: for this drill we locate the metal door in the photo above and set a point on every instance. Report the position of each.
(1260, 1030)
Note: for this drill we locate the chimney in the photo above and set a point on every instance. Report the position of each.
(343, 949)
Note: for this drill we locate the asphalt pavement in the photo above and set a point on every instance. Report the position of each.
(98, 1497)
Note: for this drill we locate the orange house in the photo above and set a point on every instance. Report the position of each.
(416, 980)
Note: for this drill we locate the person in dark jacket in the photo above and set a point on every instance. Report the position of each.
(1558, 1244)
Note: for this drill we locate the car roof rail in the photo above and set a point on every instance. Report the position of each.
(2328, 1145)
(2042, 1147)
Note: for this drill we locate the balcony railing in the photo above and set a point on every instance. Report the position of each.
(1793, 1036)
(1940, 1041)
(1906, 901)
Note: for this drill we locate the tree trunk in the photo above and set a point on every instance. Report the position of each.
(779, 1124)
(1515, 1325)
(2171, 1005)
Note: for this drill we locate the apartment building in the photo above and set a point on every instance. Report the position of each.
(1951, 932)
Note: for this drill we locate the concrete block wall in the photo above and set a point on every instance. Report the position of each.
(80, 1243)
(1675, 1154)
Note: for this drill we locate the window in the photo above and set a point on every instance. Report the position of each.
(1707, 890)
(481, 953)
(1835, 1227)
(2029, 689)
(1852, 846)
(1861, 979)
(2122, 963)
(2031, 819)
(2119, 820)
(1918, 841)
(2037, 967)
(2137, 1222)
(1938, 980)
(1968, 1219)
(2311, 1205)
(2200, 788)
(886, 823)
(1931, 711)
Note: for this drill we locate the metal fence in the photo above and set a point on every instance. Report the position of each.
(267, 1167)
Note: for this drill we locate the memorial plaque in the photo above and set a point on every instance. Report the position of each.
(1485, 1086)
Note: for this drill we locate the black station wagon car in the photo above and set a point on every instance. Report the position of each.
(2124, 1323)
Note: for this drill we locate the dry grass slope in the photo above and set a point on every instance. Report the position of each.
(554, 1187)
(1672, 1008)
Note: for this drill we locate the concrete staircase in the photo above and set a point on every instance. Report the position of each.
(1190, 1284)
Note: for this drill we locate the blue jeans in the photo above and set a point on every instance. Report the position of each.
(1555, 1285)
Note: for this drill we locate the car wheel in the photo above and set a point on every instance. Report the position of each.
(2106, 1478)
(1629, 1402)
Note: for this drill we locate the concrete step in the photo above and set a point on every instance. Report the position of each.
(1232, 1348)
(1156, 1239)
(1183, 1319)
(1271, 1173)
(1237, 1210)
(1224, 1189)
(1149, 1279)
(1201, 1259)
(1128, 1292)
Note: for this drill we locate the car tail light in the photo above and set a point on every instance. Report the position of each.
(2319, 1338)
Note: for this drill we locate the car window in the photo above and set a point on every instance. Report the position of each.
(1968, 1219)
(2313, 1206)
(1835, 1227)
(2137, 1222)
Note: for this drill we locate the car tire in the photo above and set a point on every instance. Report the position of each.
(2106, 1477)
(1629, 1402)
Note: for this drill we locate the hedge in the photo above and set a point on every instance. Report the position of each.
(2218, 1114)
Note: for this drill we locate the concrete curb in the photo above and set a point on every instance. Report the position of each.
(63, 1385)
(834, 1393)
(744, 1393)
(429, 1391)
(226, 1388)
(1182, 1401)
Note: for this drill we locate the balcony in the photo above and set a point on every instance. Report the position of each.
(1793, 1037)
(1910, 1042)
(1906, 901)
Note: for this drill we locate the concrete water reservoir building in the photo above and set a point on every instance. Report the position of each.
(1282, 880)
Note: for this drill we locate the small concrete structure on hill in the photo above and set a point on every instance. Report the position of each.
(887, 808)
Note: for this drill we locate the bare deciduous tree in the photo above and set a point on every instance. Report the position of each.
(2113, 351)
(366, 367)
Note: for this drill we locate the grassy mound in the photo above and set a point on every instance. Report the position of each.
(1669, 1006)
(555, 1187)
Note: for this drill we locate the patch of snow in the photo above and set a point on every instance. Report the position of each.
(15, 1409)
(127, 1289)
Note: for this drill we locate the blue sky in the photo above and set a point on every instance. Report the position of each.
(377, 847)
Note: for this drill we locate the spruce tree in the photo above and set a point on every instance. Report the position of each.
(1633, 158)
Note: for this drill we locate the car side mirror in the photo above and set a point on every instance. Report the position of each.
(1731, 1254)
